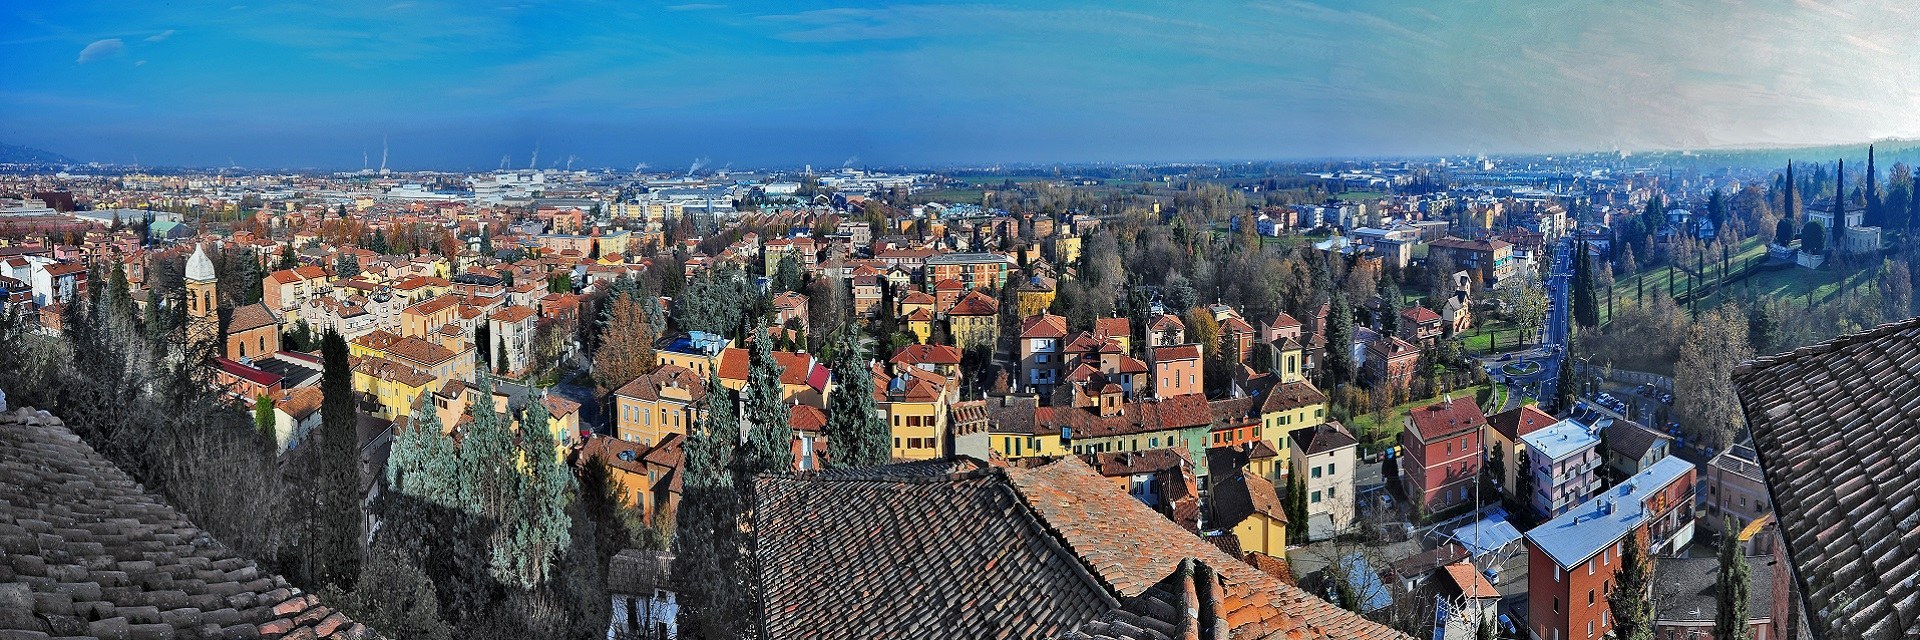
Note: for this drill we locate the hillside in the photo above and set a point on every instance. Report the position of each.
(16, 154)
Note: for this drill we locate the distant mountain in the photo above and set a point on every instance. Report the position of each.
(16, 154)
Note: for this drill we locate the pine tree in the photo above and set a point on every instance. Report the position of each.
(787, 275)
(1730, 621)
(346, 265)
(1874, 214)
(336, 470)
(706, 542)
(1632, 587)
(856, 435)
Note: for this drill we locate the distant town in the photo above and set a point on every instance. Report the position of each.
(1460, 398)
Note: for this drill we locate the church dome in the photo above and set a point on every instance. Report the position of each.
(199, 268)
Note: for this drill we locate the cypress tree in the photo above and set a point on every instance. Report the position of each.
(541, 529)
(489, 483)
(706, 537)
(768, 431)
(336, 471)
(1730, 621)
(856, 436)
(1872, 192)
(1632, 587)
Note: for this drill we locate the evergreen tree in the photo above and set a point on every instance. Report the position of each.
(346, 265)
(394, 596)
(335, 460)
(1296, 507)
(489, 483)
(1566, 388)
(1730, 621)
(1632, 588)
(542, 528)
(263, 414)
(787, 275)
(1523, 478)
(707, 538)
(856, 435)
(1586, 307)
(768, 429)
(1874, 216)
(287, 259)
(1340, 365)
(1813, 238)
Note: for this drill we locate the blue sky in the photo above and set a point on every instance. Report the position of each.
(460, 84)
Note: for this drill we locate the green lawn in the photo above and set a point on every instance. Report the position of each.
(1791, 283)
(1626, 289)
(1480, 339)
(1396, 419)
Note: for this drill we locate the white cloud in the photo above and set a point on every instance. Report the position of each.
(160, 36)
(697, 6)
(102, 49)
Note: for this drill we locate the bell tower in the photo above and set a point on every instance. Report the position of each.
(203, 318)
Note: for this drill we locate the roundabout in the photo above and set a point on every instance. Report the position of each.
(1521, 369)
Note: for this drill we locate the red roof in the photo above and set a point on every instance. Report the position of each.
(1176, 352)
(1419, 314)
(1045, 325)
(806, 418)
(1447, 418)
(247, 373)
(926, 354)
(1520, 421)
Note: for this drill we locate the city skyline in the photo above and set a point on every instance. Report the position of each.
(454, 87)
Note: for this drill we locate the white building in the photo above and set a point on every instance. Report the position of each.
(1324, 456)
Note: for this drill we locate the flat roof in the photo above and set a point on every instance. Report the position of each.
(1560, 439)
(1597, 523)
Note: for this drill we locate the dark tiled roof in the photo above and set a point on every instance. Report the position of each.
(1632, 439)
(1240, 495)
(935, 556)
(88, 553)
(1321, 438)
(1837, 426)
(252, 316)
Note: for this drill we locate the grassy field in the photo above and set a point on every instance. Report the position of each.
(1378, 435)
(1791, 283)
(1480, 338)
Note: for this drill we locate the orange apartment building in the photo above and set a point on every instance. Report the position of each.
(1572, 558)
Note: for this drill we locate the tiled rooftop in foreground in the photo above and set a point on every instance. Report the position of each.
(1837, 429)
(87, 553)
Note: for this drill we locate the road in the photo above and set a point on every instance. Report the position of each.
(1552, 352)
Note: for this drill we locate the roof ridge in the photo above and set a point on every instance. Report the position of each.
(1756, 365)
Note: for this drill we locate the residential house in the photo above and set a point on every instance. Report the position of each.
(1441, 442)
(1251, 508)
(1324, 456)
(696, 351)
(1736, 490)
(511, 329)
(1041, 340)
(973, 270)
(1572, 558)
(1491, 261)
(803, 378)
(1563, 460)
(1176, 370)
(287, 289)
(664, 401)
(1420, 325)
(974, 321)
(1503, 442)
(1631, 446)
(1034, 296)
(1391, 362)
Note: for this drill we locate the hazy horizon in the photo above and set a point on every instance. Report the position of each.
(451, 86)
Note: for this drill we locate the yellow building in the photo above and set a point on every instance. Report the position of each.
(1292, 402)
(974, 321)
(662, 402)
(803, 379)
(1066, 249)
(916, 415)
(1035, 296)
(1249, 506)
(392, 386)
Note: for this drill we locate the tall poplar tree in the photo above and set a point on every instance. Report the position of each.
(856, 435)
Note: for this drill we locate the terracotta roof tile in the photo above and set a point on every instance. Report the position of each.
(1834, 427)
(1447, 418)
(89, 552)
